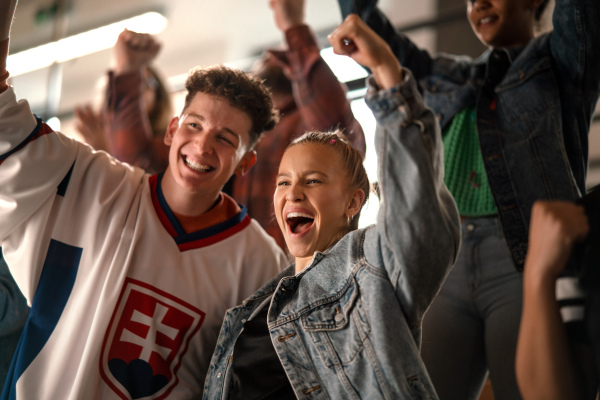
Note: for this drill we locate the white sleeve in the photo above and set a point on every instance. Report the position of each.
(33, 162)
(35, 166)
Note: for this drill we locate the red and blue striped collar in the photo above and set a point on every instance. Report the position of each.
(202, 238)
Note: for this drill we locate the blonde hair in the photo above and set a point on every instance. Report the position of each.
(351, 158)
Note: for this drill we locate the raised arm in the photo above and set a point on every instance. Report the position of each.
(417, 226)
(545, 366)
(319, 96)
(575, 44)
(7, 11)
(129, 132)
(410, 56)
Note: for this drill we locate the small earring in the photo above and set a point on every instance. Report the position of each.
(349, 216)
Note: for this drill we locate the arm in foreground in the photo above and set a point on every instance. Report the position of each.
(545, 365)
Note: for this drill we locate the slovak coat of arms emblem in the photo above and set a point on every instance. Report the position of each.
(148, 335)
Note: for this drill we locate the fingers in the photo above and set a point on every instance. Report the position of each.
(555, 227)
(355, 39)
(561, 219)
(287, 13)
(139, 41)
(347, 32)
(134, 50)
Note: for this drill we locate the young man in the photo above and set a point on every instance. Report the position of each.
(129, 275)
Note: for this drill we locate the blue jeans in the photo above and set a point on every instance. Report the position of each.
(473, 323)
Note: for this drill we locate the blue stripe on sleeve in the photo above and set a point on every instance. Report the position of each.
(62, 187)
(54, 288)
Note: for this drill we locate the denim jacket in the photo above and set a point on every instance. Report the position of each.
(533, 125)
(348, 326)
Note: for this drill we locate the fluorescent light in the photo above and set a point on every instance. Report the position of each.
(82, 44)
(344, 68)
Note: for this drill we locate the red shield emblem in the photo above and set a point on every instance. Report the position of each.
(148, 335)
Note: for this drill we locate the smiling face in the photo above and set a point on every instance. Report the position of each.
(313, 199)
(502, 23)
(208, 144)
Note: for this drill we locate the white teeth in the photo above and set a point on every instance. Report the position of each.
(298, 214)
(486, 20)
(196, 166)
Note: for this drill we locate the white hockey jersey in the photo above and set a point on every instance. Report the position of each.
(125, 304)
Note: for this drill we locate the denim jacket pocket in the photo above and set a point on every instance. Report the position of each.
(338, 327)
(418, 390)
(535, 83)
(447, 98)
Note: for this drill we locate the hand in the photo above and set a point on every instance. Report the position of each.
(91, 126)
(134, 50)
(287, 13)
(555, 227)
(3, 71)
(369, 50)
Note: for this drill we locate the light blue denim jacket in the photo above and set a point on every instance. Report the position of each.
(348, 326)
(533, 127)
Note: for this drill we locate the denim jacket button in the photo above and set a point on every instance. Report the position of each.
(470, 227)
(338, 317)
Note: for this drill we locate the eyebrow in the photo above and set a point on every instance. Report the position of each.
(225, 129)
(311, 172)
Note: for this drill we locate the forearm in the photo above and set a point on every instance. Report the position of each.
(127, 126)
(575, 44)
(7, 11)
(544, 364)
(418, 219)
(320, 97)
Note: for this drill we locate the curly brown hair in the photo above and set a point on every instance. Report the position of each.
(241, 90)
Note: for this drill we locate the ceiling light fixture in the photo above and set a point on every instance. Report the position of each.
(82, 44)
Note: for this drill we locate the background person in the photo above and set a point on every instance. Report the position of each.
(525, 104)
(137, 107)
(309, 97)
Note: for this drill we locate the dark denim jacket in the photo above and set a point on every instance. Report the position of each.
(348, 326)
(533, 125)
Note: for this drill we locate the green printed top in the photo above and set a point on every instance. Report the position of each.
(465, 174)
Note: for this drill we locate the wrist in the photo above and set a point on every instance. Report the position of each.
(388, 76)
(538, 278)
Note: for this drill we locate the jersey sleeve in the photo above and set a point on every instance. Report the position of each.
(33, 162)
(54, 188)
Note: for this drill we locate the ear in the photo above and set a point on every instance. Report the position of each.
(173, 125)
(247, 161)
(356, 201)
(535, 4)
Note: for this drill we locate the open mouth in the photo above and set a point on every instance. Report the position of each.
(196, 166)
(487, 20)
(299, 222)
